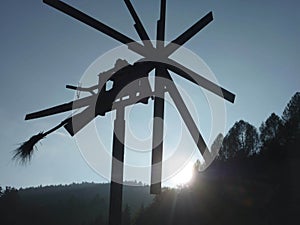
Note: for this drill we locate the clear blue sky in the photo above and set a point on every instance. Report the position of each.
(252, 47)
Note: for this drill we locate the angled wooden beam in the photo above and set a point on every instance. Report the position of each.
(199, 80)
(188, 34)
(186, 116)
(88, 20)
(62, 108)
(138, 25)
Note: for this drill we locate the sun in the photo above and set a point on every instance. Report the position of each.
(184, 176)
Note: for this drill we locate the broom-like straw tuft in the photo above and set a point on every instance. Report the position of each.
(25, 151)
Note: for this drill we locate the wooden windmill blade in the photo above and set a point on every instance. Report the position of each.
(199, 80)
(188, 34)
(62, 108)
(185, 114)
(88, 20)
(138, 25)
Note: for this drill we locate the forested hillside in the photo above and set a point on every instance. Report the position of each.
(254, 180)
(85, 203)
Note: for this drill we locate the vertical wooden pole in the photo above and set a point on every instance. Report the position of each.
(159, 108)
(116, 187)
(157, 144)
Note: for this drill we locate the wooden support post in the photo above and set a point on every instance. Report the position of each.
(116, 187)
(159, 109)
(158, 135)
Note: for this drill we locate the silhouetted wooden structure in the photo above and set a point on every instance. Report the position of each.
(131, 86)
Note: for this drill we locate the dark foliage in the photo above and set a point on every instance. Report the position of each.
(249, 183)
(76, 204)
(241, 141)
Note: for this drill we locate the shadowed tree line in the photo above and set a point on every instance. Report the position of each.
(76, 204)
(254, 179)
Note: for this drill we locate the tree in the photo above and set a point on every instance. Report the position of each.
(126, 217)
(271, 135)
(270, 129)
(292, 110)
(291, 119)
(98, 220)
(251, 146)
(9, 206)
(139, 218)
(216, 146)
(241, 141)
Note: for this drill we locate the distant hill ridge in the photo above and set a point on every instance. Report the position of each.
(76, 204)
(86, 192)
